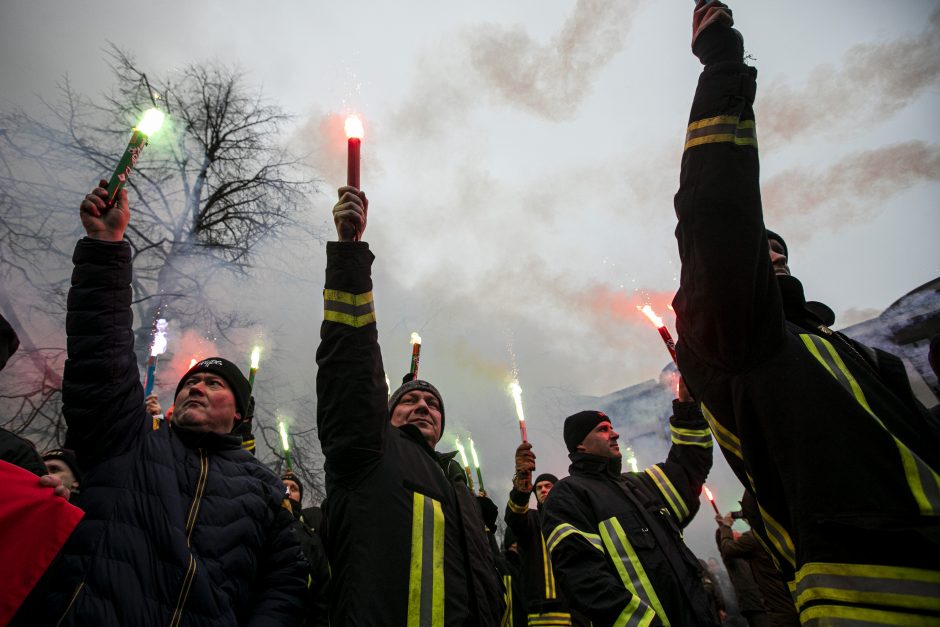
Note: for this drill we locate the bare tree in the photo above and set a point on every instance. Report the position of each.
(211, 185)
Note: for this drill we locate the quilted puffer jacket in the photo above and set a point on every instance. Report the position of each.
(181, 527)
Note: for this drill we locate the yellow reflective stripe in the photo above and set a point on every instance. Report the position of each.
(515, 508)
(848, 616)
(630, 569)
(895, 586)
(670, 494)
(778, 537)
(635, 614)
(506, 620)
(721, 129)
(547, 569)
(923, 482)
(773, 555)
(564, 530)
(691, 437)
(726, 440)
(354, 310)
(426, 579)
(549, 619)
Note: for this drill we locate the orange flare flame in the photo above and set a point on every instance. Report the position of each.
(649, 313)
(708, 493)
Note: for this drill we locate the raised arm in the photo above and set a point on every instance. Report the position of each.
(103, 400)
(680, 478)
(352, 396)
(728, 303)
(517, 508)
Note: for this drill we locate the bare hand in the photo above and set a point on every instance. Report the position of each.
(525, 466)
(152, 403)
(100, 222)
(54, 482)
(708, 13)
(683, 392)
(350, 214)
(724, 521)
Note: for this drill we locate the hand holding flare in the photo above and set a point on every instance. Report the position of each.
(354, 133)
(149, 124)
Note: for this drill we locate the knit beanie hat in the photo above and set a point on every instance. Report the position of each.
(67, 457)
(578, 425)
(232, 375)
(771, 235)
(290, 476)
(547, 476)
(409, 384)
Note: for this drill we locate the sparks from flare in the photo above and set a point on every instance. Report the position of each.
(159, 339)
(463, 458)
(476, 464)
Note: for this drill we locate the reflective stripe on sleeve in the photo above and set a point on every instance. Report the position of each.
(721, 129)
(725, 438)
(632, 574)
(691, 437)
(670, 494)
(922, 481)
(354, 310)
(515, 508)
(636, 614)
(550, 619)
(564, 530)
(426, 581)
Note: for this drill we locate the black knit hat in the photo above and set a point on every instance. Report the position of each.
(67, 457)
(409, 384)
(232, 375)
(773, 236)
(578, 425)
(547, 476)
(290, 476)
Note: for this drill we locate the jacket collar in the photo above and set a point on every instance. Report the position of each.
(595, 465)
(452, 469)
(798, 310)
(207, 439)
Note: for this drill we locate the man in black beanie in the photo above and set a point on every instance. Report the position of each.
(615, 538)
(404, 534)
(546, 602)
(825, 432)
(181, 525)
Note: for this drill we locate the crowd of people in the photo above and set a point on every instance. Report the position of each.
(136, 521)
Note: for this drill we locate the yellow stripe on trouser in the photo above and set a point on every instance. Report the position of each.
(633, 576)
(894, 587)
(669, 492)
(923, 482)
(426, 580)
(550, 619)
(354, 310)
(547, 569)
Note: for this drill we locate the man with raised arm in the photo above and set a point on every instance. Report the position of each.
(181, 525)
(824, 433)
(404, 535)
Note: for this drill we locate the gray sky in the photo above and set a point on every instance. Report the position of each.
(521, 158)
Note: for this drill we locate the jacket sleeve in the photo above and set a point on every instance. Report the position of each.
(518, 519)
(102, 397)
(742, 548)
(352, 396)
(728, 305)
(281, 586)
(680, 478)
(580, 563)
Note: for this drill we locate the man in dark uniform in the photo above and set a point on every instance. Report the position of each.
(404, 535)
(616, 539)
(826, 434)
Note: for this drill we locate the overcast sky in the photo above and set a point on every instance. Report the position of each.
(521, 158)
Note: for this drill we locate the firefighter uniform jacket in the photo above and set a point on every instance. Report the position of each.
(404, 535)
(842, 464)
(546, 603)
(615, 539)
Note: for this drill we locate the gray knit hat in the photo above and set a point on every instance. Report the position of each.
(410, 384)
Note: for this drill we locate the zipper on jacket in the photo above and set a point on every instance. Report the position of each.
(190, 525)
(78, 589)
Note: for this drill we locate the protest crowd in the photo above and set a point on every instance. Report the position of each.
(174, 521)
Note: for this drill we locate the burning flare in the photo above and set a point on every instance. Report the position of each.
(708, 493)
(255, 357)
(282, 428)
(473, 454)
(516, 390)
(159, 339)
(353, 127)
(192, 362)
(415, 338)
(463, 453)
(649, 313)
(151, 122)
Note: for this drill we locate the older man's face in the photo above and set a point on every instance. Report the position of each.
(205, 403)
(421, 409)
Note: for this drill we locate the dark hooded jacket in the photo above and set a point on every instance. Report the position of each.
(181, 527)
(841, 458)
(404, 535)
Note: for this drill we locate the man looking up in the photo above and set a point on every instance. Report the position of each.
(181, 525)
(824, 433)
(404, 535)
(616, 539)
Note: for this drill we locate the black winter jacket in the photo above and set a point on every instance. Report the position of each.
(615, 539)
(180, 527)
(843, 462)
(404, 535)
